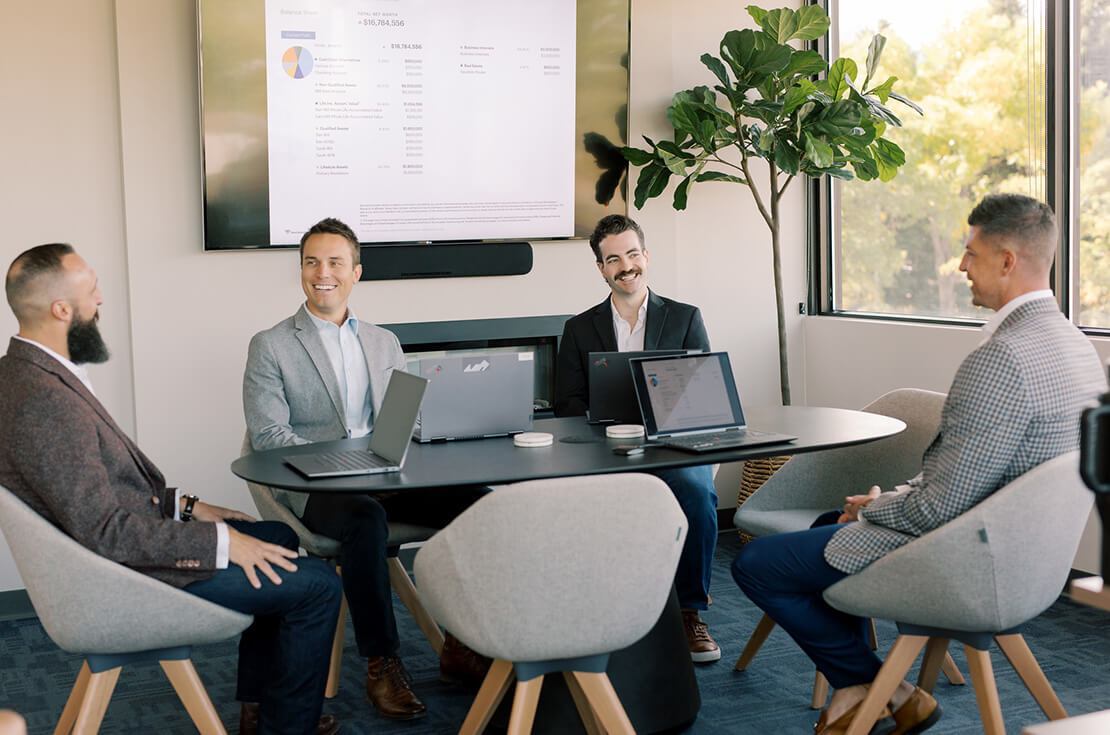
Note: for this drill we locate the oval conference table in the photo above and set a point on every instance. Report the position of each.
(653, 677)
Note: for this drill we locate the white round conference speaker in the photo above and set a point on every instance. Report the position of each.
(533, 439)
(624, 431)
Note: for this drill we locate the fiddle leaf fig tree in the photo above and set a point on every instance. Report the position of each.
(772, 102)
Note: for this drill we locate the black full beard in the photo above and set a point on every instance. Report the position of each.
(85, 343)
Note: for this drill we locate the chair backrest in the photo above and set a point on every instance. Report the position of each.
(823, 479)
(272, 509)
(88, 604)
(555, 569)
(993, 568)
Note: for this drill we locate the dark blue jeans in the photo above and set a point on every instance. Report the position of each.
(693, 489)
(784, 575)
(284, 654)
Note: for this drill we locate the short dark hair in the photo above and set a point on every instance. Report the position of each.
(27, 268)
(332, 226)
(1027, 223)
(613, 224)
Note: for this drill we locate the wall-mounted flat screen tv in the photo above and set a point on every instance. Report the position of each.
(413, 121)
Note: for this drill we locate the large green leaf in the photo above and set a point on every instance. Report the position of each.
(888, 157)
(683, 115)
(907, 102)
(874, 52)
(737, 49)
(818, 151)
(757, 13)
(837, 120)
(841, 71)
(780, 24)
(787, 157)
(797, 96)
(636, 157)
(646, 181)
(865, 168)
(883, 90)
(765, 110)
(681, 192)
(716, 67)
(771, 60)
(805, 63)
(812, 23)
(720, 176)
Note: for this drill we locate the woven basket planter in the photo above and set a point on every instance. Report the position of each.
(755, 473)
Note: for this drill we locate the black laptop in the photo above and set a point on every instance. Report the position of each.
(612, 397)
(690, 402)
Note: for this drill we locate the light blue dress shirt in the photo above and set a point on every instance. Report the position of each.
(344, 350)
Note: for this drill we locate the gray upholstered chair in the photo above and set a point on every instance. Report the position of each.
(272, 509)
(975, 579)
(550, 577)
(113, 616)
(811, 484)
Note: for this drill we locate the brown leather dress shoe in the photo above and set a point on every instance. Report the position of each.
(248, 721)
(389, 690)
(917, 714)
(883, 726)
(458, 664)
(703, 649)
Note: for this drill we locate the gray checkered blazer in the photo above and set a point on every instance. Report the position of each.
(1014, 403)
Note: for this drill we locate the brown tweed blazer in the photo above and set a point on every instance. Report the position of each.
(63, 455)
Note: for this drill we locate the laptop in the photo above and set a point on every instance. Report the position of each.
(690, 402)
(612, 397)
(389, 442)
(476, 397)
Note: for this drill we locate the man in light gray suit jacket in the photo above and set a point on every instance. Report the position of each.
(1014, 403)
(321, 375)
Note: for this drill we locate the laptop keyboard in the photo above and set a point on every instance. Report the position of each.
(355, 459)
(723, 440)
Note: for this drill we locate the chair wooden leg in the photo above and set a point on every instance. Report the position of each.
(820, 691)
(931, 663)
(762, 630)
(335, 666)
(493, 690)
(190, 689)
(605, 702)
(952, 671)
(582, 704)
(73, 704)
(406, 590)
(986, 692)
(523, 712)
(1025, 664)
(95, 704)
(898, 661)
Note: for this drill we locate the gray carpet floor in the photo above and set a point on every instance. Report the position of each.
(1071, 642)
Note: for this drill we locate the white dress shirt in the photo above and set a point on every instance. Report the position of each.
(349, 363)
(629, 338)
(223, 540)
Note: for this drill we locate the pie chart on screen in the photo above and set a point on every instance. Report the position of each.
(297, 62)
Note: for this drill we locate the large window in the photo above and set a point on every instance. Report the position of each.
(1093, 242)
(978, 68)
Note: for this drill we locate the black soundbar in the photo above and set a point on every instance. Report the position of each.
(445, 260)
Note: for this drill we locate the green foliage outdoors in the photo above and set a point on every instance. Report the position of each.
(783, 105)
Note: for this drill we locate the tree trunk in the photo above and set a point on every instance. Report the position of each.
(946, 299)
(784, 366)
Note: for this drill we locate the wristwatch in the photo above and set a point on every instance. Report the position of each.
(187, 511)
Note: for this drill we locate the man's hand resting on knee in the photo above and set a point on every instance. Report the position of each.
(258, 556)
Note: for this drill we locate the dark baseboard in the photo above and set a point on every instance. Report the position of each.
(15, 605)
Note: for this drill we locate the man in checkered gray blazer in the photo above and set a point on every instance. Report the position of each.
(1014, 403)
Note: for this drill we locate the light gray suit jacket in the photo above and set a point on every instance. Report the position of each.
(1014, 403)
(290, 390)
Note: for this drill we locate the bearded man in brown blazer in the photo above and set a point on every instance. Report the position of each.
(63, 455)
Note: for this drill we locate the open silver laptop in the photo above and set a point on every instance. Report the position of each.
(475, 397)
(389, 442)
(690, 402)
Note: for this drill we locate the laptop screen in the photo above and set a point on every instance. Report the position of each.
(394, 423)
(687, 393)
